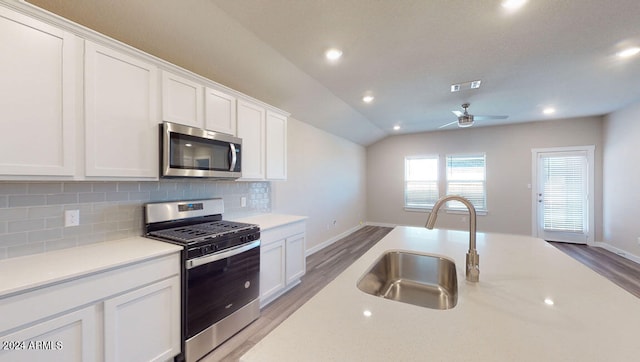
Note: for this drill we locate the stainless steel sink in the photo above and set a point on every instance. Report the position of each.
(423, 280)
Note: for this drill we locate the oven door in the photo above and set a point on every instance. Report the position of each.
(194, 152)
(220, 284)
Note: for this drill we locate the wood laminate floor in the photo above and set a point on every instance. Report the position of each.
(326, 264)
(322, 267)
(621, 271)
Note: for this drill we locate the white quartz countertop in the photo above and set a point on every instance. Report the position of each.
(27, 272)
(269, 221)
(503, 317)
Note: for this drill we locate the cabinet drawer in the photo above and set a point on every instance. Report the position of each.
(26, 308)
(281, 232)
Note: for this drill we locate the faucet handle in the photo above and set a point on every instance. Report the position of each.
(473, 266)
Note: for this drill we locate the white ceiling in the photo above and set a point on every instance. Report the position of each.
(407, 53)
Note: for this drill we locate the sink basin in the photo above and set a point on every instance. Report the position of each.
(419, 279)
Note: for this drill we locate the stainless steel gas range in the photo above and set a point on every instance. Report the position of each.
(220, 274)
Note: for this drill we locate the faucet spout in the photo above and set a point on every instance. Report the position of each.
(473, 259)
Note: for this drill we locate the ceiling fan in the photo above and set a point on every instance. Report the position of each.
(466, 120)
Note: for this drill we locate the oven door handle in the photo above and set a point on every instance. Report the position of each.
(190, 264)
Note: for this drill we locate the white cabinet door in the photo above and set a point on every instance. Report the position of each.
(220, 111)
(272, 270)
(143, 325)
(121, 122)
(276, 148)
(68, 338)
(251, 123)
(181, 100)
(37, 97)
(296, 260)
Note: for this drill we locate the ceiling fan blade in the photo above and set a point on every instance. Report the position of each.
(457, 113)
(448, 124)
(486, 118)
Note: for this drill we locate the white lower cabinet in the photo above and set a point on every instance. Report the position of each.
(123, 330)
(67, 338)
(131, 313)
(282, 260)
(272, 269)
(295, 260)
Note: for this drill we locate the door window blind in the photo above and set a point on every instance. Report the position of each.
(565, 193)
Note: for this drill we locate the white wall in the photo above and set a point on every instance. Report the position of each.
(326, 182)
(508, 152)
(621, 191)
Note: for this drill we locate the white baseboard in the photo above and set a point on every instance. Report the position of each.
(613, 249)
(328, 242)
(380, 224)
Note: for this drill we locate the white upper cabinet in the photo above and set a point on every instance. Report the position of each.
(37, 97)
(50, 77)
(276, 147)
(264, 142)
(121, 122)
(181, 100)
(220, 111)
(251, 128)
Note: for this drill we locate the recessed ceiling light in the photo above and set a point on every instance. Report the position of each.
(549, 110)
(333, 54)
(396, 127)
(549, 301)
(513, 4)
(367, 99)
(629, 52)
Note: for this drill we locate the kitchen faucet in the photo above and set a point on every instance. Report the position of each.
(473, 259)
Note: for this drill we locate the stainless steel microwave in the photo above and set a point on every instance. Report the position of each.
(194, 152)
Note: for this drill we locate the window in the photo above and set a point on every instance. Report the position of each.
(420, 181)
(466, 177)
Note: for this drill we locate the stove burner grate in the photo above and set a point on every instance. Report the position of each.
(198, 232)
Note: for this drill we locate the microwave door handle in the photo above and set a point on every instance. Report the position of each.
(234, 157)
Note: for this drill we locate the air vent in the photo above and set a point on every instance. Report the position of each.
(474, 84)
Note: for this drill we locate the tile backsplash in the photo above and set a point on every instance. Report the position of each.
(32, 213)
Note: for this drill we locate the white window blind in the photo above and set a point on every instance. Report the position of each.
(420, 181)
(565, 193)
(466, 177)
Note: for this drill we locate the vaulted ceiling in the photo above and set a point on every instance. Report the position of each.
(406, 53)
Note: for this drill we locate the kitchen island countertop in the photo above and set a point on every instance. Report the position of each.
(504, 317)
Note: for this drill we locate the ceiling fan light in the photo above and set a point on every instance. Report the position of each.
(465, 121)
